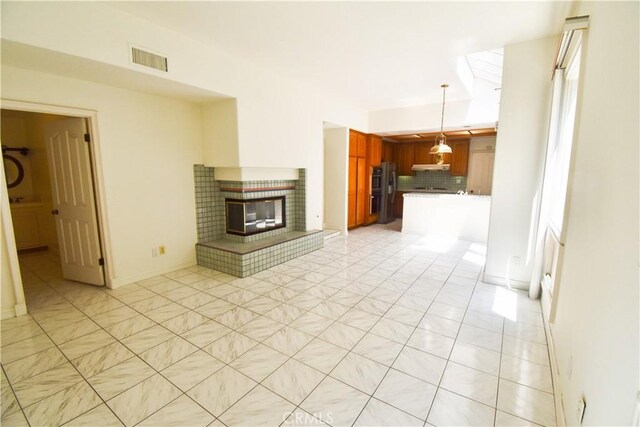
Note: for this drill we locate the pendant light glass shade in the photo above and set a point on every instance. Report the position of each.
(440, 147)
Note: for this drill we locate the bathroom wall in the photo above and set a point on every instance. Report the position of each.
(21, 129)
(14, 134)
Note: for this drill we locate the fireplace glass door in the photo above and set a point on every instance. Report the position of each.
(251, 216)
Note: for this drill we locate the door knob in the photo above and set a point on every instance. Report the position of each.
(55, 212)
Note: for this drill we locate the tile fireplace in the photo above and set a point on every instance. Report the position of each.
(248, 226)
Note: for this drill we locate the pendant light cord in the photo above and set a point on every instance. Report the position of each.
(444, 92)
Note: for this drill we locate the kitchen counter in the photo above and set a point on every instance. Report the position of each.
(447, 215)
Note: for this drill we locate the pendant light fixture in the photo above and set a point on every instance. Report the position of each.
(440, 148)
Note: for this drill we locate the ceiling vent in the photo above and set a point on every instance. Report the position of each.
(149, 59)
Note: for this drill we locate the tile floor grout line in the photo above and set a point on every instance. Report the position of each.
(76, 369)
(371, 396)
(135, 355)
(15, 396)
(349, 351)
(456, 339)
(336, 287)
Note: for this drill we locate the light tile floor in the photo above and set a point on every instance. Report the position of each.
(379, 328)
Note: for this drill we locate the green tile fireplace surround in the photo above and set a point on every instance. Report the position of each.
(242, 256)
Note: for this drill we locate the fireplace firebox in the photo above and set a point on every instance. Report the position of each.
(252, 216)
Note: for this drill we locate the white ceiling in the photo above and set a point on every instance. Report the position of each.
(379, 55)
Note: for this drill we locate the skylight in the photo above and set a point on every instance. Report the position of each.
(487, 65)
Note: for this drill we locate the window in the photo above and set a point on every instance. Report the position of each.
(560, 142)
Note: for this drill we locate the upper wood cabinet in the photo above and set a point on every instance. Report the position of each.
(387, 151)
(357, 144)
(375, 150)
(421, 155)
(403, 156)
(362, 145)
(353, 143)
(459, 157)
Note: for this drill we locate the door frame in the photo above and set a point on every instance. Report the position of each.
(91, 116)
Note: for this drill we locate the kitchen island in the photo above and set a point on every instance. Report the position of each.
(447, 215)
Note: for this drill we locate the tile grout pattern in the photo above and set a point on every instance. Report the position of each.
(377, 328)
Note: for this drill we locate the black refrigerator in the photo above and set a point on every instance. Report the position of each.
(389, 187)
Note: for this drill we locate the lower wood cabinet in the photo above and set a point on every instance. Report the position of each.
(352, 192)
(361, 193)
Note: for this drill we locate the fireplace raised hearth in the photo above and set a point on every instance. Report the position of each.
(245, 217)
(245, 227)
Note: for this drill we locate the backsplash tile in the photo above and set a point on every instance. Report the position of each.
(436, 179)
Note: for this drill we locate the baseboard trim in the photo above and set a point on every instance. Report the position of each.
(20, 309)
(7, 313)
(123, 281)
(501, 281)
(555, 371)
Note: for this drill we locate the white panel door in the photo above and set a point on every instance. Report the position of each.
(73, 201)
(480, 174)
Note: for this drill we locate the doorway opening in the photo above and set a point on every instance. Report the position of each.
(48, 161)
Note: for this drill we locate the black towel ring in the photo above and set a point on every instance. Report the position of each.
(18, 166)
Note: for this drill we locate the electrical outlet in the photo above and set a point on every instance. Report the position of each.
(154, 252)
(162, 250)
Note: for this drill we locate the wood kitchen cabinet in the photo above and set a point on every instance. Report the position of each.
(362, 144)
(387, 152)
(459, 157)
(353, 143)
(362, 205)
(375, 150)
(421, 154)
(358, 189)
(352, 192)
(403, 156)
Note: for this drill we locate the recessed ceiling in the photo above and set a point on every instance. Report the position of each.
(430, 136)
(378, 55)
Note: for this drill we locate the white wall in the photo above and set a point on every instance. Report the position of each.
(279, 119)
(148, 146)
(480, 111)
(597, 321)
(220, 133)
(520, 150)
(336, 166)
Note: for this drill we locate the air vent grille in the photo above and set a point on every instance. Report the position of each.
(148, 59)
